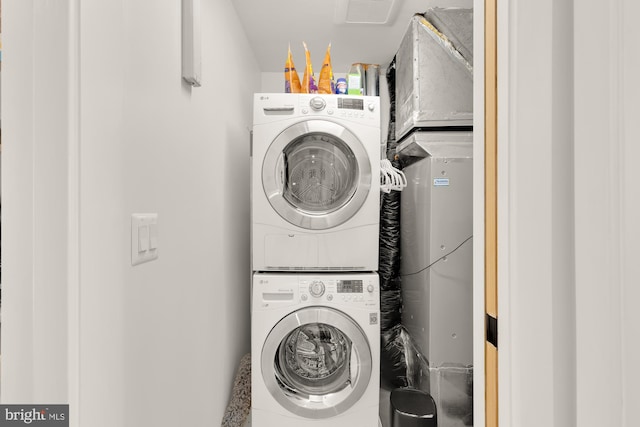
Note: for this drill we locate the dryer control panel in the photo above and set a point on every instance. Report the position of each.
(347, 107)
(275, 107)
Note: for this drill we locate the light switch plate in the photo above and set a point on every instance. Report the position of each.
(142, 249)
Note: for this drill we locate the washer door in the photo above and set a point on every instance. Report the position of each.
(316, 362)
(316, 174)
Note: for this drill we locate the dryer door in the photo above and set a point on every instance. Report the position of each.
(316, 362)
(316, 174)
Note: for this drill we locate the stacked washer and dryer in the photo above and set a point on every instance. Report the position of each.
(315, 194)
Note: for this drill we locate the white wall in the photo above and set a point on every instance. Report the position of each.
(272, 82)
(35, 130)
(607, 211)
(157, 344)
(171, 332)
(535, 137)
(630, 211)
(569, 131)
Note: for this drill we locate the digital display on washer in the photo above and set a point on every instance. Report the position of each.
(349, 286)
(351, 103)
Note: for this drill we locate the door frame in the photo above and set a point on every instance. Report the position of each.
(490, 161)
(535, 222)
(479, 214)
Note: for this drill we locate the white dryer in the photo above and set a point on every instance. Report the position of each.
(315, 182)
(315, 345)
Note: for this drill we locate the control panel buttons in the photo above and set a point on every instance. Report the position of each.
(317, 103)
(370, 289)
(305, 110)
(371, 106)
(303, 297)
(316, 288)
(330, 297)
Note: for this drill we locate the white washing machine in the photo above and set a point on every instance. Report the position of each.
(315, 182)
(315, 345)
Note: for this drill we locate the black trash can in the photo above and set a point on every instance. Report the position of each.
(412, 408)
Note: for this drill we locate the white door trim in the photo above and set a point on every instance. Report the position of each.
(478, 218)
(73, 222)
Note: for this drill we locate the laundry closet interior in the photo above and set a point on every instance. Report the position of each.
(362, 221)
(331, 236)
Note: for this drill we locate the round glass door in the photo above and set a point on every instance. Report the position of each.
(316, 174)
(313, 358)
(320, 173)
(316, 362)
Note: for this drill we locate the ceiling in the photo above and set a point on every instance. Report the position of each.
(270, 25)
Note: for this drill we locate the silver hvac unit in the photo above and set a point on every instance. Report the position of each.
(434, 71)
(436, 226)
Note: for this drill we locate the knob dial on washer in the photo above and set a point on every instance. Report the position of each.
(316, 288)
(317, 103)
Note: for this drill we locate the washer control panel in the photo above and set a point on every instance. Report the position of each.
(356, 290)
(359, 291)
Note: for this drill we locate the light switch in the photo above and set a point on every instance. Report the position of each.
(153, 236)
(144, 238)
